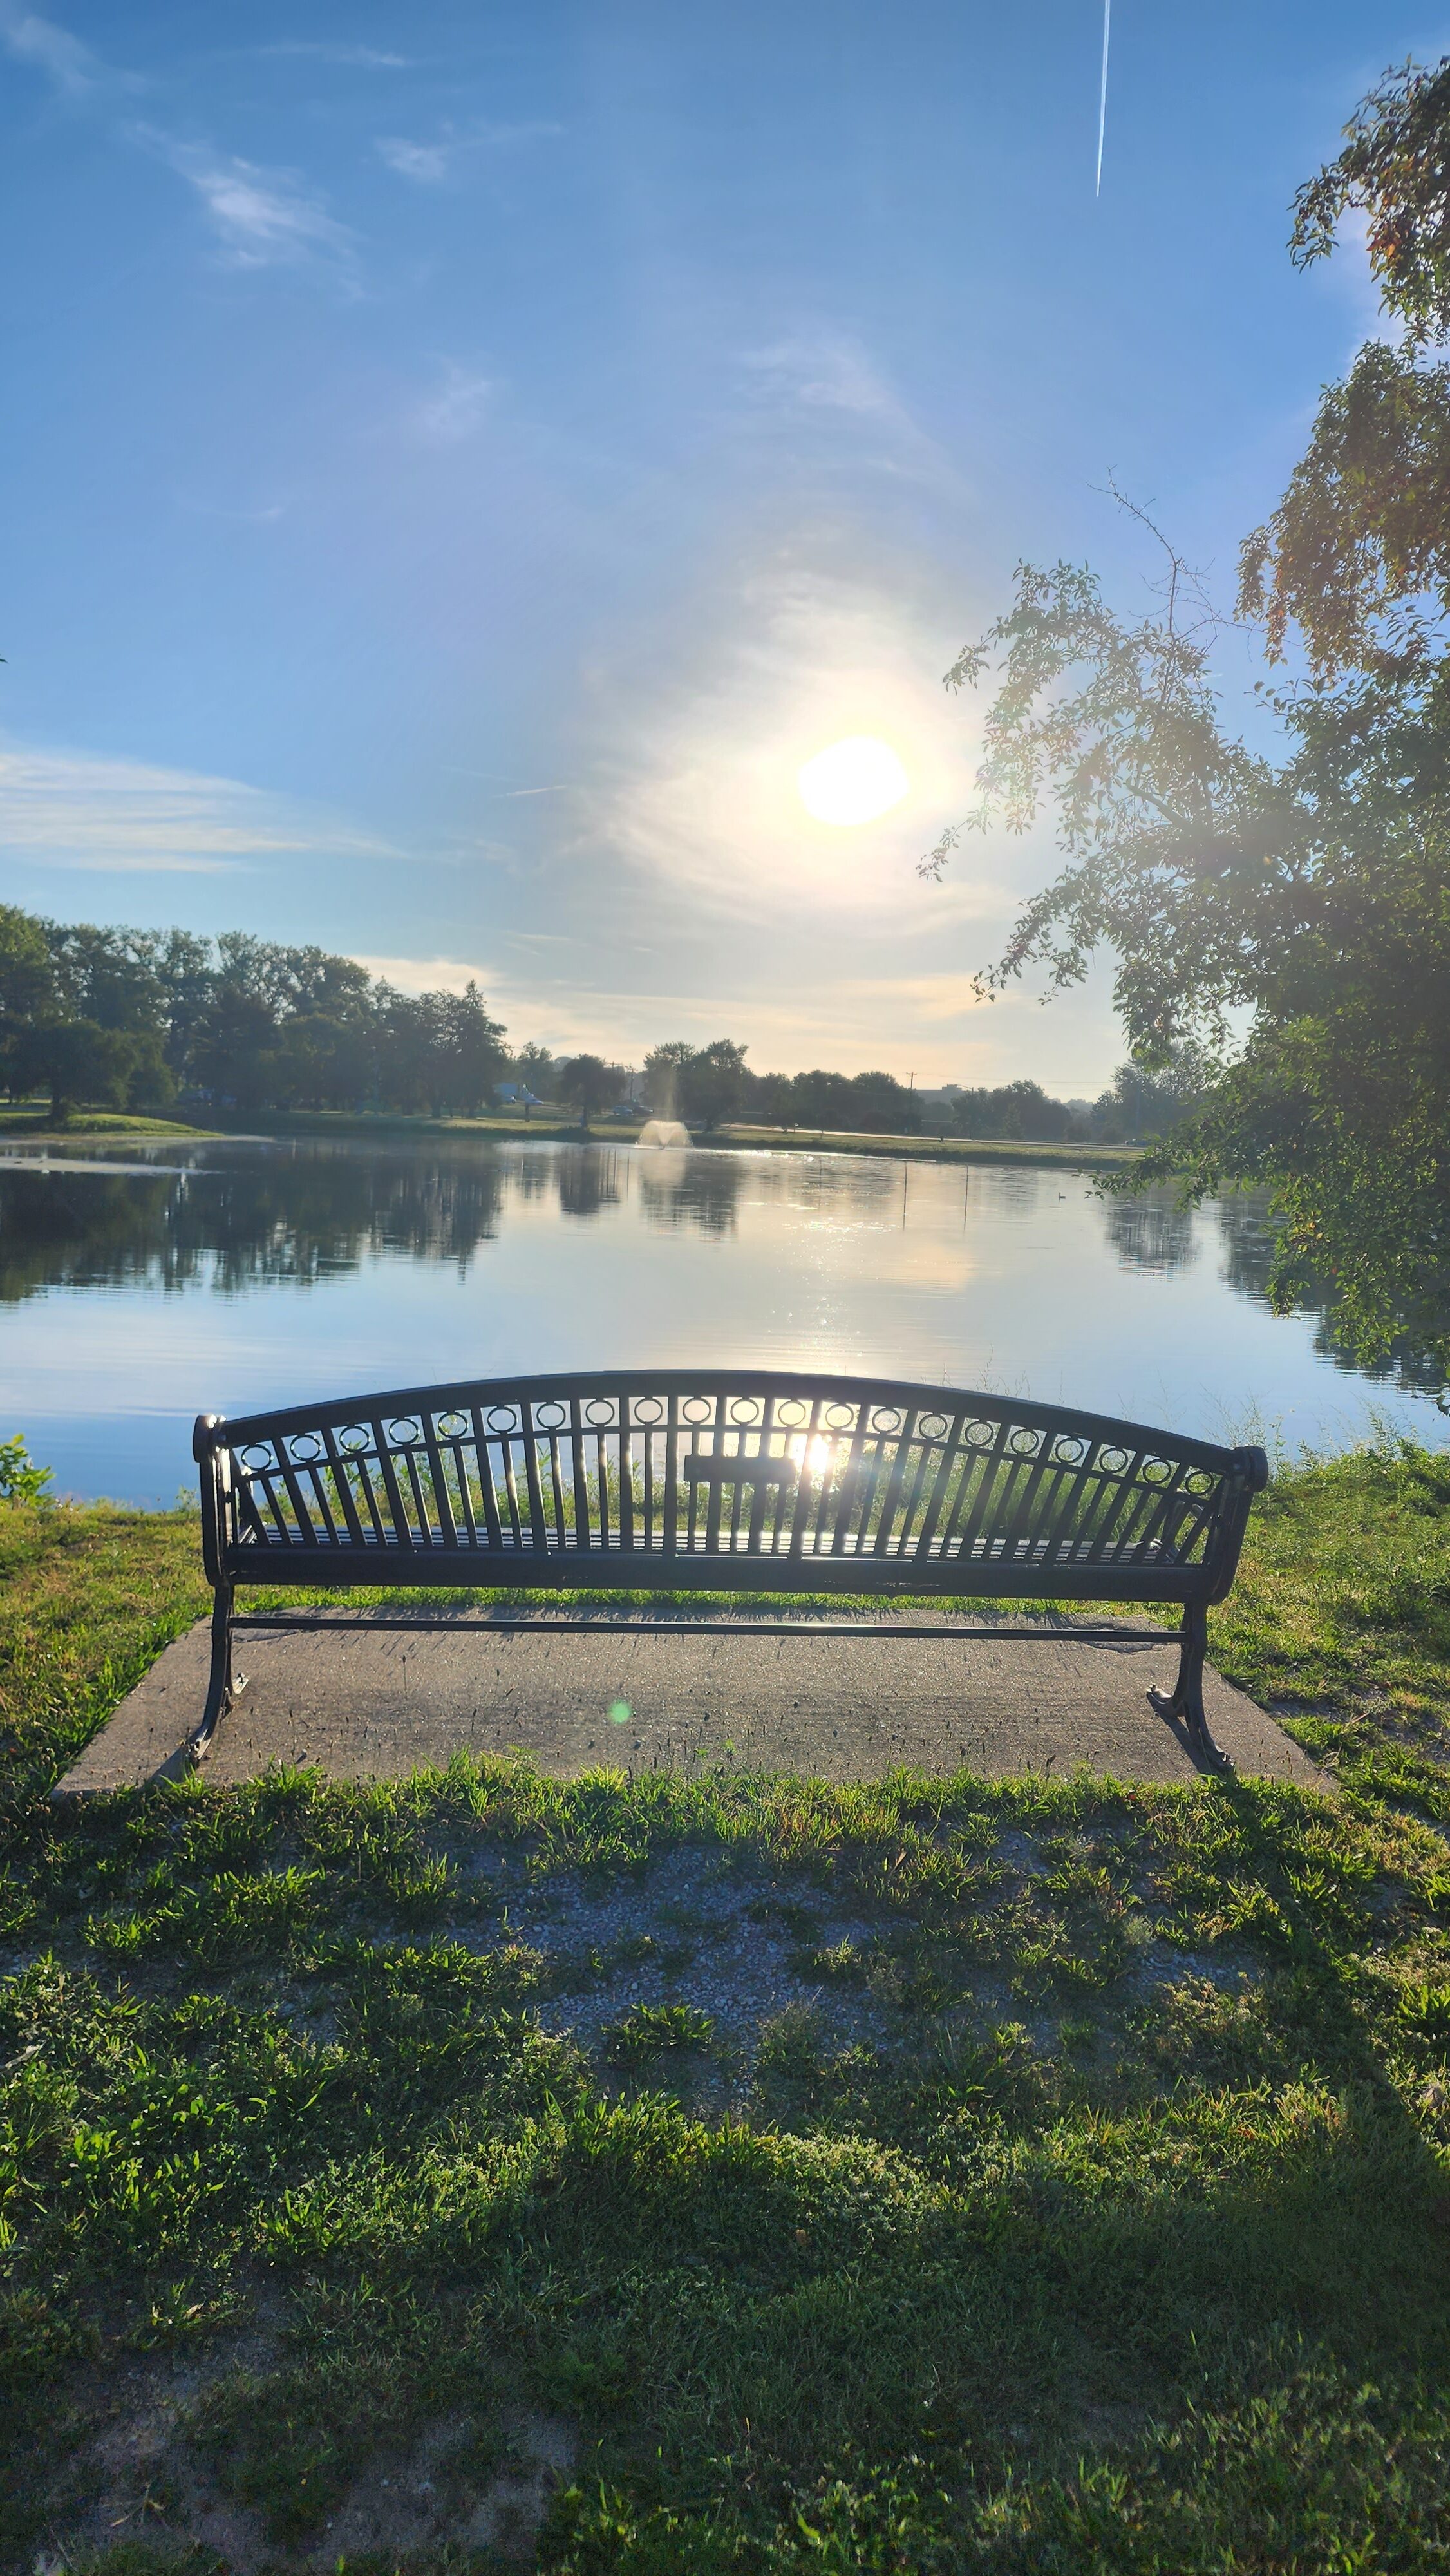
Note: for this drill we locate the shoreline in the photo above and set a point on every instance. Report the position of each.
(1063, 1156)
(738, 1137)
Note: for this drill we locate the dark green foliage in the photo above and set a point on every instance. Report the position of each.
(590, 1083)
(117, 1019)
(850, 1103)
(712, 1084)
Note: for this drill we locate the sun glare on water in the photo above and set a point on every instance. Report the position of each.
(853, 781)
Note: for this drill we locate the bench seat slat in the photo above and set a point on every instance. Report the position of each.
(995, 1548)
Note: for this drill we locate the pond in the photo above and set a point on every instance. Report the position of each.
(140, 1287)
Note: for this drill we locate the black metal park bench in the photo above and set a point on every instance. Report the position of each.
(721, 1480)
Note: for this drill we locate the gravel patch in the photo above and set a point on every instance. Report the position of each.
(726, 1943)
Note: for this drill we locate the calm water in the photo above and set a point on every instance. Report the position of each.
(140, 1288)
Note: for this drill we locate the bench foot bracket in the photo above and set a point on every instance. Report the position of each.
(1185, 1700)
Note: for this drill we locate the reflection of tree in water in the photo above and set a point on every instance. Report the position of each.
(532, 1175)
(264, 1221)
(588, 1179)
(700, 1190)
(1152, 1232)
(1248, 1240)
(81, 1232)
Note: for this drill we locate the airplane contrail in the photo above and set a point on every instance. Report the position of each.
(1103, 94)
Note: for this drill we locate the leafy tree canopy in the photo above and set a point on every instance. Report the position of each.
(589, 1082)
(1283, 917)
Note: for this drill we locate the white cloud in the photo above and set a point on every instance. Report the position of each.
(70, 64)
(361, 57)
(458, 407)
(427, 163)
(428, 974)
(827, 371)
(265, 218)
(70, 809)
(830, 374)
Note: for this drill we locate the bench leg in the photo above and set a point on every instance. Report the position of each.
(1186, 1698)
(225, 1685)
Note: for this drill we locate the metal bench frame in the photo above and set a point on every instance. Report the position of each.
(720, 1480)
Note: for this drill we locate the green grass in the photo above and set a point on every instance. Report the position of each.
(559, 1125)
(1340, 1618)
(29, 1120)
(735, 2173)
(932, 1149)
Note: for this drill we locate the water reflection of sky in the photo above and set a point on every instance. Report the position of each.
(228, 1277)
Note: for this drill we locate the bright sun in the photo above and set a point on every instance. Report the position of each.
(853, 781)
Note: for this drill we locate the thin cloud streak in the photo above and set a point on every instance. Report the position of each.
(425, 163)
(264, 218)
(349, 57)
(459, 408)
(72, 66)
(832, 375)
(74, 810)
(431, 164)
(828, 371)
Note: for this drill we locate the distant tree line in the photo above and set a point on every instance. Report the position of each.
(130, 1019)
(712, 1086)
(112, 1018)
(1136, 1108)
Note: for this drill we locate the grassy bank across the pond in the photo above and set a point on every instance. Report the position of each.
(30, 1124)
(737, 2173)
(389, 1126)
(930, 1149)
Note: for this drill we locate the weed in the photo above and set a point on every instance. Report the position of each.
(651, 2030)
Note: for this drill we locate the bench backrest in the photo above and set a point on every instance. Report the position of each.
(719, 1479)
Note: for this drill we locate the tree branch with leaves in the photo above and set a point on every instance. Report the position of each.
(1286, 917)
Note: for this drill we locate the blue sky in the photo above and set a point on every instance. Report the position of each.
(459, 461)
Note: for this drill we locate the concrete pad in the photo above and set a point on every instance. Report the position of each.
(377, 1705)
